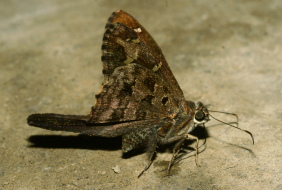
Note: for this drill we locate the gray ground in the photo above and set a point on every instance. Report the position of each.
(224, 54)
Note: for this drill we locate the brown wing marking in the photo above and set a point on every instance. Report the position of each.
(134, 93)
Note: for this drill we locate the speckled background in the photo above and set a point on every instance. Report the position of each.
(223, 53)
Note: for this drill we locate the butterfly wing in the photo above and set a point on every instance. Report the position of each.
(126, 41)
(138, 83)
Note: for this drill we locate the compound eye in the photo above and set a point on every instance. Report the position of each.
(200, 116)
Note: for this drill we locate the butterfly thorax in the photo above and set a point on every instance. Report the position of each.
(184, 121)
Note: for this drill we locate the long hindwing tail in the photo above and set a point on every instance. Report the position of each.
(80, 124)
(71, 123)
(58, 122)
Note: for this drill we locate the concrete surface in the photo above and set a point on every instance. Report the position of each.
(224, 53)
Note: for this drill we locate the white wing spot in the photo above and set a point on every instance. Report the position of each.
(157, 67)
(136, 41)
(128, 60)
(138, 30)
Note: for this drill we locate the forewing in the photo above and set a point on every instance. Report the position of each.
(133, 93)
(126, 41)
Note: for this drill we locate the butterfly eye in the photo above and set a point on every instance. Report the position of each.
(200, 116)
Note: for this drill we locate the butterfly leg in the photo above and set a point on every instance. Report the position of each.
(191, 137)
(175, 153)
(152, 153)
(178, 147)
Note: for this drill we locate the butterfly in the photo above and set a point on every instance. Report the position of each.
(140, 98)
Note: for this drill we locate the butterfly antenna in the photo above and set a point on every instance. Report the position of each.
(232, 125)
(228, 113)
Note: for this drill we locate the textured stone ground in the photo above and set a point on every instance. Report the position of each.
(227, 54)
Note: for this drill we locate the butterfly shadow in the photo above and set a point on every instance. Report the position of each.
(103, 143)
(75, 142)
(231, 144)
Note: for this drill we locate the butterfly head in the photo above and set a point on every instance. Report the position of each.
(201, 114)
